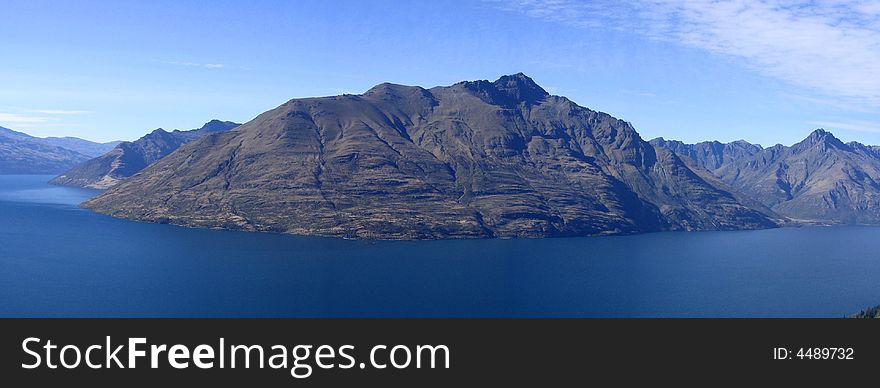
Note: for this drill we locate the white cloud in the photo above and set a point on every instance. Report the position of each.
(17, 119)
(202, 65)
(31, 118)
(830, 46)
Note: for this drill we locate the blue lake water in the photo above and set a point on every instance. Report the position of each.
(59, 260)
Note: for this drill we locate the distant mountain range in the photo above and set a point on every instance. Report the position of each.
(819, 180)
(475, 159)
(710, 155)
(21, 153)
(84, 147)
(129, 158)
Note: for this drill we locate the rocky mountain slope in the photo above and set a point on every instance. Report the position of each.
(821, 179)
(475, 159)
(710, 155)
(24, 154)
(129, 158)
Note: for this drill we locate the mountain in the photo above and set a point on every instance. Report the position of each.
(475, 159)
(24, 154)
(821, 180)
(14, 135)
(710, 155)
(85, 147)
(129, 158)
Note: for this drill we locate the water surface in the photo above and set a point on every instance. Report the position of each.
(59, 260)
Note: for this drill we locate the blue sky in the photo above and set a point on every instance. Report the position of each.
(765, 71)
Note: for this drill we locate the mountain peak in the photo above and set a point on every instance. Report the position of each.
(820, 137)
(218, 126)
(521, 87)
(820, 133)
(395, 92)
(383, 88)
(507, 91)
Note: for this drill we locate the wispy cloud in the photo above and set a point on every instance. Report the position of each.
(195, 64)
(17, 119)
(858, 126)
(832, 47)
(25, 118)
(834, 103)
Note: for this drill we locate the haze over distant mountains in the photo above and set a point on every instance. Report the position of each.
(129, 158)
(21, 153)
(475, 159)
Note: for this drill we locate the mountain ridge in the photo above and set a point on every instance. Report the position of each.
(79, 145)
(711, 155)
(819, 179)
(497, 158)
(21, 153)
(129, 158)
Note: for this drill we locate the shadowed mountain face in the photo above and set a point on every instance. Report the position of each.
(710, 155)
(24, 154)
(820, 179)
(129, 158)
(475, 159)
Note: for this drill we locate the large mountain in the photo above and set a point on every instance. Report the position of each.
(710, 155)
(821, 179)
(24, 154)
(475, 159)
(129, 158)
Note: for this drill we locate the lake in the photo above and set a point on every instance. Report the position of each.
(59, 260)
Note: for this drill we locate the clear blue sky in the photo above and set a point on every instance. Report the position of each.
(764, 71)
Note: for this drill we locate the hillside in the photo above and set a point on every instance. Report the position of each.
(129, 158)
(475, 159)
(24, 154)
(710, 155)
(820, 179)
